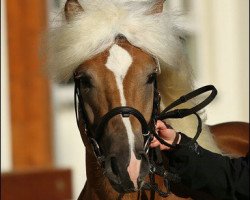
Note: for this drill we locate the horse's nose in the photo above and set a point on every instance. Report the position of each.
(126, 176)
(118, 176)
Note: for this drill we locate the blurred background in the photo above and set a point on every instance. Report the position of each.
(40, 143)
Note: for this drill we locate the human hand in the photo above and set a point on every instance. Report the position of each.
(165, 133)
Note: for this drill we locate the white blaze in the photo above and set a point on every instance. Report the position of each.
(118, 62)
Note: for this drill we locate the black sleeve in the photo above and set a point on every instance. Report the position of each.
(202, 170)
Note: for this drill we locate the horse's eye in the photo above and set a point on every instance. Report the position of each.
(86, 82)
(151, 78)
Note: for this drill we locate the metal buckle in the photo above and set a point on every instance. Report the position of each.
(147, 143)
(96, 148)
(147, 134)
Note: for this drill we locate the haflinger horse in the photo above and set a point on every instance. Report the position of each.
(116, 51)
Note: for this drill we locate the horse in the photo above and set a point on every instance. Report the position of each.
(116, 51)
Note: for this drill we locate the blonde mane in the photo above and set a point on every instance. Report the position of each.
(94, 30)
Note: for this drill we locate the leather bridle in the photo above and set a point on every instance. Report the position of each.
(148, 129)
(124, 111)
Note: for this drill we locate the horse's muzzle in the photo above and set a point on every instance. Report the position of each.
(116, 171)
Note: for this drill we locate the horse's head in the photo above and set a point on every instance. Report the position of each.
(115, 62)
(123, 75)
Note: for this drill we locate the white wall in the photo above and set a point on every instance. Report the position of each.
(6, 164)
(69, 150)
(223, 56)
(219, 54)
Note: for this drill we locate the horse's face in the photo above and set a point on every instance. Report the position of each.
(123, 75)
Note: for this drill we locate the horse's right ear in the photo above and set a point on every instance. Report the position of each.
(157, 7)
(72, 8)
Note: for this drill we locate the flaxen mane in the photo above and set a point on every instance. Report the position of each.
(94, 30)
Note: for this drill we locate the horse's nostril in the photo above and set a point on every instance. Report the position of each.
(139, 157)
(114, 166)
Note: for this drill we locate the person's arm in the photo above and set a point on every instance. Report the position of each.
(203, 170)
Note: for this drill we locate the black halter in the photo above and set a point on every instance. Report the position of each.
(148, 129)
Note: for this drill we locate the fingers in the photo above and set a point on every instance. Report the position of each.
(160, 125)
(163, 147)
(154, 140)
(166, 132)
(155, 144)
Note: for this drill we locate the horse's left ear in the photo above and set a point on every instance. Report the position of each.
(157, 7)
(72, 8)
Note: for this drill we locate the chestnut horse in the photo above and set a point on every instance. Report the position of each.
(117, 50)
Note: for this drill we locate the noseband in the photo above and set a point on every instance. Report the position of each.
(148, 129)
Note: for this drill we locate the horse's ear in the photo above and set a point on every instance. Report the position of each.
(157, 7)
(72, 8)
